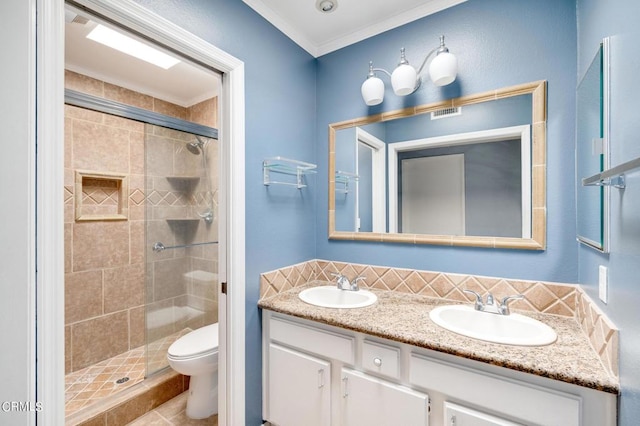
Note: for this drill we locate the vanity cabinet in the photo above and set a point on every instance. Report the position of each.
(299, 388)
(367, 400)
(316, 374)
(457, 415)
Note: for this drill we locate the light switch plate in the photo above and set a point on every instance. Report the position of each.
(603, 283)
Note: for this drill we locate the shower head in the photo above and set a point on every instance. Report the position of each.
(196, 146)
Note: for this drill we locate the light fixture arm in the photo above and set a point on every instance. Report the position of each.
(372, 70)
(405, 79)
(440, 49)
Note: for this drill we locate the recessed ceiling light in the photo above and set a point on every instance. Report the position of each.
(326, 6)
(130, 46)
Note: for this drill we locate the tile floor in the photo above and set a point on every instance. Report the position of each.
(96, 382)
(172, 413)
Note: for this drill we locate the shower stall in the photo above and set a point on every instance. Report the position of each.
(141, 237)
(181, 238)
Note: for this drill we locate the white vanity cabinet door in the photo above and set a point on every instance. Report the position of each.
(299, 389)
(370, 401)
(457, 415)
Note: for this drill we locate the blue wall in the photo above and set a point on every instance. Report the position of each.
(533, 41)
(279, 110)
(498, 43)
(618, 19)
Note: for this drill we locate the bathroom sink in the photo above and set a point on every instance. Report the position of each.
(333, 297)
(513, 329)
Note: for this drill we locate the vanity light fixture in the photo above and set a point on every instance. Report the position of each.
(405, 79)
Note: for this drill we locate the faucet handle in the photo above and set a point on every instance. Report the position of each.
(342, 281)
(478, 304)
(504, 304)
(354, 282)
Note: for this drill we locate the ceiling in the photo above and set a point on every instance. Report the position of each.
(186, 84)
(351, 21)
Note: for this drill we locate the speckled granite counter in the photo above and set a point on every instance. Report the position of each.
(405, 318)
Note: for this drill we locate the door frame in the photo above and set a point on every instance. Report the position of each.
(48, 304)
(378, 178)
(522, 132)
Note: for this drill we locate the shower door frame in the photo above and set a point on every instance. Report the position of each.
(48, 305)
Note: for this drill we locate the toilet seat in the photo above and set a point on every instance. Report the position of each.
(195, 343)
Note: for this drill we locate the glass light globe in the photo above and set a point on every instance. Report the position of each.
(372, 91)
(403, 79)
(443, 69)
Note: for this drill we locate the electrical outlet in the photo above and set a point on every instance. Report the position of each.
(603, 283)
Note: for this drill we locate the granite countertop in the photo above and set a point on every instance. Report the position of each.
(405, 318)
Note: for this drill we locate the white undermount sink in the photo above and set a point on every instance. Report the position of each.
(513, 329)
(333, 297)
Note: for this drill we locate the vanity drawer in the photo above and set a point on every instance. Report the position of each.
(314, 340)
(381, 359)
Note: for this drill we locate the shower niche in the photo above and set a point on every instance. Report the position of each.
(101, 196)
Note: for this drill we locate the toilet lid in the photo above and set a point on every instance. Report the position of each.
(204, 339)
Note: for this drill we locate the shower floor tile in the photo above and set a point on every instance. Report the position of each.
(92, 384)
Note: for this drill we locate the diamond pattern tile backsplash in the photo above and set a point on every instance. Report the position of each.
(543, 297)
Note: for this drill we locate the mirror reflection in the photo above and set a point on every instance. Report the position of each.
(458, 172)
(592, 151)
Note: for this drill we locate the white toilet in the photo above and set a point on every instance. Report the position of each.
(196, 354)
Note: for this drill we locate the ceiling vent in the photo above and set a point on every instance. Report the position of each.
(71, 17)
(446, 112)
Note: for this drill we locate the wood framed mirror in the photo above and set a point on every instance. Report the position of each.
(469, 171)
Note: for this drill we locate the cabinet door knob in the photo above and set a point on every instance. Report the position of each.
(377, 362)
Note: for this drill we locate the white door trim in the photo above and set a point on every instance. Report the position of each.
(50, 238)
(522, 132)
(378, 178)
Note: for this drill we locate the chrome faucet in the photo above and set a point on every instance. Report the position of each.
(344, 284)
(491, 306)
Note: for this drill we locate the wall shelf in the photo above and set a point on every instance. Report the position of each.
(286, 166)
(182, 220)
(344, 178)
(613, 176)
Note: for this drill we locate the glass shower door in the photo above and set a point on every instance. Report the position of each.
(181, 256)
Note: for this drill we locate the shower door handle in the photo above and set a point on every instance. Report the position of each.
(158, 247)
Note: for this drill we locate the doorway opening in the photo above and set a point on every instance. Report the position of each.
(50, 329)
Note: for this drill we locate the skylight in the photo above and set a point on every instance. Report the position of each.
(130, 46)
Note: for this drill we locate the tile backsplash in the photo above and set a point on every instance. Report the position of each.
(543, 297)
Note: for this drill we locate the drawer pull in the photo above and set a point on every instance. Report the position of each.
(345, 381)
(377, 362)
(321, 378)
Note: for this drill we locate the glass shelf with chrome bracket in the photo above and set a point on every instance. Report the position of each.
(286, 166)
(613, 176)
(343, 178)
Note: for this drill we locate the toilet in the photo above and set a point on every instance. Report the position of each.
(196, 354)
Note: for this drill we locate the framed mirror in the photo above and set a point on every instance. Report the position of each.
(469, 171)
(592, 151)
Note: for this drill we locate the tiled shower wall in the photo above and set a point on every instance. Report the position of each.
(104, 259)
